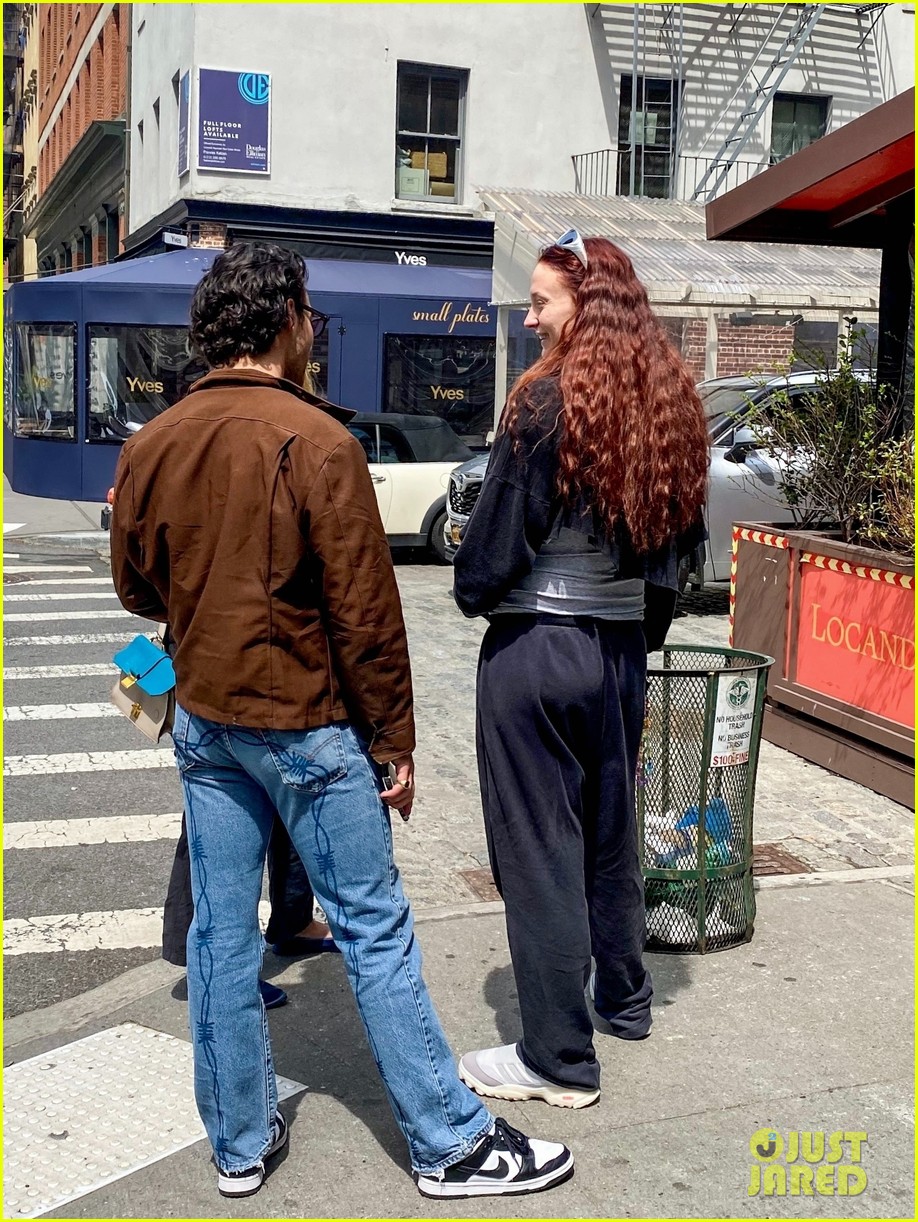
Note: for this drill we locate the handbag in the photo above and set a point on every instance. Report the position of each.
(145, 693)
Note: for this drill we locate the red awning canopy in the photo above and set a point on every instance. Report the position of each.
(832, 193)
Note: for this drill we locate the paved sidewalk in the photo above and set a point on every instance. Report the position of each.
(804, 1029)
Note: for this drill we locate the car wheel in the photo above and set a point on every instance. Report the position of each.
(436, 541)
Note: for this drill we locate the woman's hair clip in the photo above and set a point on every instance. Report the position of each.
(573, 242)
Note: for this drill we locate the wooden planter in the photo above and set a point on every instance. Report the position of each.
(840, 622)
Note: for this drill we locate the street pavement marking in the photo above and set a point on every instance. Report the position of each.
(59, 598)
(62, 581)
(58, 712)
(122, 929)
(46, 568)
(34, 617)
(88, 761)
(124, 1099)
(70, 833)
(9, 527)
(13, 674)
(85, 638)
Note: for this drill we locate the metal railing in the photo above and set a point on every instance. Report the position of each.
(659, 174)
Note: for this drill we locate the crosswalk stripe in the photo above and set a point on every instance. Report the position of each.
(73, 596)
(88, 761)
(34, 617)
(47, 568)
(88, 670)
(85, 638)
(57, 712)
(69, 833)
(31, 583)
(122, 929)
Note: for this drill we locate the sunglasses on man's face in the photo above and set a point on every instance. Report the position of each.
(318, 320)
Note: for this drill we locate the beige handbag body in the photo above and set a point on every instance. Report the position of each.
(152, 715)
(145, 692)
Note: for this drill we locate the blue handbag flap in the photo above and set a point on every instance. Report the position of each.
(150, 666)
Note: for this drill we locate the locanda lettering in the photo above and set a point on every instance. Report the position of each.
(865, 639)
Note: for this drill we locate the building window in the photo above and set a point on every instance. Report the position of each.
(44, 404)
(134, 374)
(317, 369)
(815, 347)
(523, 348)
(443, 375)
(647, 135)
(797, 119)
(428, 142)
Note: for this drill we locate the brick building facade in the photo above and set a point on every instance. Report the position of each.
(78, 219)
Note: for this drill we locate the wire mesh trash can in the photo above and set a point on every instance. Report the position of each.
(695, 794)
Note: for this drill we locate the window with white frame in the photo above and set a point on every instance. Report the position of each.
(428, 142)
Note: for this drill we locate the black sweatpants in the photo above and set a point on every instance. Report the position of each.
(288, 888)
(560, 715)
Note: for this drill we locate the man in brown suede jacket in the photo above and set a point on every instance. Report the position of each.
(245, 518)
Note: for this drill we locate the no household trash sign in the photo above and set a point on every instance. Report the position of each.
(734, 712)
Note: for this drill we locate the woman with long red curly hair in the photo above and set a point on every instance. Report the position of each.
(593, 494)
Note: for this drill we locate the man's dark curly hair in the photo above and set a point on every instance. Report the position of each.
(240, 306)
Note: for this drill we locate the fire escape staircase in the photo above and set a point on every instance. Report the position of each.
(765, 88)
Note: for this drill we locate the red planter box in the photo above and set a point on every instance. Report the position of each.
(840, 622)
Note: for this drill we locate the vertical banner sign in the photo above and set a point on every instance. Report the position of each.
(184, 124)
(234, 121)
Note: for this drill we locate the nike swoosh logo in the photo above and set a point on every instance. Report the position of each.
(506, 1170)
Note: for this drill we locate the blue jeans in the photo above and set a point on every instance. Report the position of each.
(325, 788)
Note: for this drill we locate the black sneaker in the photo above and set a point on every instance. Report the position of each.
(245, 1183)
(504, 1163)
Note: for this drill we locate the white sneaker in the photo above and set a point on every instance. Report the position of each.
(499, 1073)
(504, 1163)
(245, 1183)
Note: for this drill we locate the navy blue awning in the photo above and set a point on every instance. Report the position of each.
(184, 268)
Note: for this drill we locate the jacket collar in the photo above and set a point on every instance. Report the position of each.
(227, 376)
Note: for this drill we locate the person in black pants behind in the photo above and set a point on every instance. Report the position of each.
(594, 492)
(292, 928)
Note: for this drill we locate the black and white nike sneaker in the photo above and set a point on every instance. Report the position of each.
(246, 1182)
(504, 1163)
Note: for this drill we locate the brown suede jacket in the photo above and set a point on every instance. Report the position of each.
(245, 518)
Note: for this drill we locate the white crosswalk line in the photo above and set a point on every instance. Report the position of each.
(35, 617)
(31, 583)
(85, 638)
(70, 833)
(47, 568)
(122, 929)
(88, 761)
(60, 598)
(57, 712)
(88, 670)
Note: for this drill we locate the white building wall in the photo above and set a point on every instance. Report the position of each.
(532, 99)
(162, 47)
(544, 84)
(856, 60)
(894, 36)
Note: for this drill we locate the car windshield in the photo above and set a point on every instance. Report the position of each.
(723, 404)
